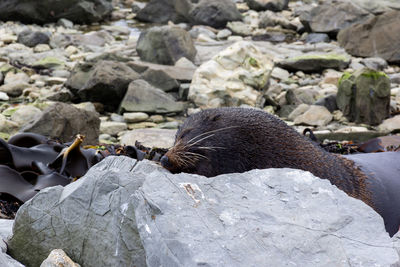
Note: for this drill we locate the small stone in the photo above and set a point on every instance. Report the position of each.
(352, 129)
(141, 125)
(19, 77)
(65, 23)
(223, 34)
(4, 96)
(315, 116)
(183, 62)
(8, 38)
(390, 125)
(116, 117)
(112, 127)
(169, 125)
(235, 38)
(13, 89)
(7, 126)
(50, 81)
(131, 117)
(58, 258)
(33, 38)
(279, 73)
(70, 50)
(150, 137)
(298, 111)
(313, 38)
(41, 48)
(156, 118)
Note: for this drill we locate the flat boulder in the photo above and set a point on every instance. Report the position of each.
(63, 122)
(313, 62)
(45, 11)
(372, 37)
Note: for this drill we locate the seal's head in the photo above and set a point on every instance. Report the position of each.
(226, 140)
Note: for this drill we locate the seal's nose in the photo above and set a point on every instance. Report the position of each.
(165, 161)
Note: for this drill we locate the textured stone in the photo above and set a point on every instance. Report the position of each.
(150, 217)
(63, 121)
(112, 127)
(315, 62)
(92, 219)
(25, 114)
(372, 39)
(315, 116)
(274, 5)
(31, 38)
(105, 82)
(163, 138)
(44, 11)
(214, 13)
(165, 45)
(160, 79)
(331, 17)
(143, 97)
(233, 77)
(364, 96)
(390, 125)
(58, 258)
(162, 11)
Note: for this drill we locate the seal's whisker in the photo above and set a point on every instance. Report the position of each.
(213, 131)
(204, 138)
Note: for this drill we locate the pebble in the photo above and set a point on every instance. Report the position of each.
(131, 117)
(112, 127)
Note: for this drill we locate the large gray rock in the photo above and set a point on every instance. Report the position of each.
(274, 5)
(214, 13)
(143, 97)
(160, 79)
(124, 213)
(372, 38)
(64, 122)
(32, 11)
(331, 17)
(162, 11)
(105, 82)
(92, 219)
(165, 45)
(364, 96)
(377, 7)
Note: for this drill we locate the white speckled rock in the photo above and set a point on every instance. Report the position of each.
(231, 78)
(314, 116)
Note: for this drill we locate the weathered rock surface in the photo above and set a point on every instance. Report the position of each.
(315, 62)
(64, 122)
(143, 97)
(147, 216)
(274, 5)
(331, 17)
(214, 13)
(372, 39)
(377, 7)
(92, 220)
(160, 79)
(58, 258)
(31, 11)
(32, 38)
(390, 125)
(233, 77)
(105, 82)
(162, 11)
(364, 96)
(165, 45)
(5, 234)
(314, 116)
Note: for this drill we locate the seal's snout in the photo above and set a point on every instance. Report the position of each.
(165, 162)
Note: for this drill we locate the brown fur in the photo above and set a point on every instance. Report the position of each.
(227, 140)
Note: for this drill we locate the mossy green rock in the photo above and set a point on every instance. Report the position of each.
(364, 97)
(49, 63)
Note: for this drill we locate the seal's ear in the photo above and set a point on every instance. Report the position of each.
(215, 117)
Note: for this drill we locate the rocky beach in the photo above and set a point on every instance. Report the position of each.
(123, 71)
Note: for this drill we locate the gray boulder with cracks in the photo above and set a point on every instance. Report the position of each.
(124, 213)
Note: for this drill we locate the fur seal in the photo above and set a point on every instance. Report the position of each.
(227, 140)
